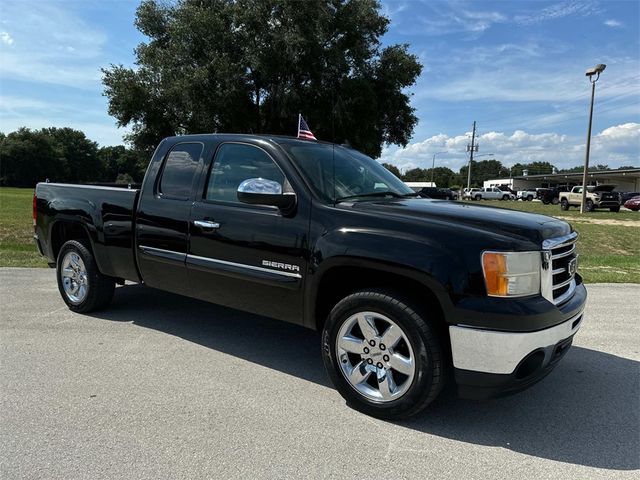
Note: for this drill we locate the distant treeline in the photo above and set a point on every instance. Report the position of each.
(65, 155)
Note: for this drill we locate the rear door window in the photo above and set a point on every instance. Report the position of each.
(179, 169)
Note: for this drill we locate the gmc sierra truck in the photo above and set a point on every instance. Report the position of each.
(408, 293)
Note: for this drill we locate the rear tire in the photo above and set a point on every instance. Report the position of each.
(478, 197)
(529, 198)
(555, 201)
(372, 379)
(83, 288)
(505, 197)
(564, 204)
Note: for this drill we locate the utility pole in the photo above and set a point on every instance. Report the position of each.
(471, 148)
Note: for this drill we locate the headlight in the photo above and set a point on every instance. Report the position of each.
(511, 274)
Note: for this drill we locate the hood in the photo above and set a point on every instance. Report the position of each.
(530, 226)
(602, 188)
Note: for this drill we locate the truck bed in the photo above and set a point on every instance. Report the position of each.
(105, 213)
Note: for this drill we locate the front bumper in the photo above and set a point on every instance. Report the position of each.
(491, 363)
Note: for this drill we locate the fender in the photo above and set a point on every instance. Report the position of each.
(411, 256)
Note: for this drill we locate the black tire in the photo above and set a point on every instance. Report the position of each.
(478, 197)
(564, 204)
(430, 363)
(529, 198)
(589, 206)
(555, 201)
(99, 287)
(614, 209)
(546, 201)
(505, 197)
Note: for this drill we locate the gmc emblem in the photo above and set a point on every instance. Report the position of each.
(573, 266)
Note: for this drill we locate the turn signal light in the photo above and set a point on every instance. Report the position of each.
(495, 271)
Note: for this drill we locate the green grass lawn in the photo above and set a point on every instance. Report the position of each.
(17, 248)
(609, 243)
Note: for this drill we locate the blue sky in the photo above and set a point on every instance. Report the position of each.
(517, 68)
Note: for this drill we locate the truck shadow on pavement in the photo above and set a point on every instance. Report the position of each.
(586, 412)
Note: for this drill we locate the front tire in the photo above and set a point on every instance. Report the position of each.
(383, 356)
(478, 197)
(564, 204)
(83, 288)
(589, 206)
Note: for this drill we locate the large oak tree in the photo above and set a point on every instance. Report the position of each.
(253, 65)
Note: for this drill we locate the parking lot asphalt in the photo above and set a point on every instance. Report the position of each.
(160, 386)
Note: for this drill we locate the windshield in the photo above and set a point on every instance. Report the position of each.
(356, 175)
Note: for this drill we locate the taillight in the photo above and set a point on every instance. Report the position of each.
(34, 211)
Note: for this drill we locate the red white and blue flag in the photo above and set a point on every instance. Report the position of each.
(303, 129)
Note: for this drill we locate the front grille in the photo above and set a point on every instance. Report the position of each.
(561, 268)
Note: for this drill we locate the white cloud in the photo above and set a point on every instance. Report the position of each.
(6, 38)
(617, 145)
(52, 45)
(613, 23)
(558, 10)
(452, 18)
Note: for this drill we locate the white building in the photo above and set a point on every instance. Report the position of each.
(627, 180)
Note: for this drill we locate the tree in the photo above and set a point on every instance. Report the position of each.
(119, 160)
(253, 65)
(481, 171)
(80, 154)
(415, 175)
(28, 157)
(393, 169)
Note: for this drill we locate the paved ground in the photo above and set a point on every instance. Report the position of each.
(163, 387)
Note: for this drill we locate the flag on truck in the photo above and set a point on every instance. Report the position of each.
(303, 129)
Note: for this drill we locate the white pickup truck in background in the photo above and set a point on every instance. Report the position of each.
(490, 193)
(527, 195)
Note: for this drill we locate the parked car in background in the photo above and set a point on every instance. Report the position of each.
(437, 193)
(505, 188)
(468, 193)
(601, 196)
(527, 195)
(633, 203)
(624, 196)
(551, 195)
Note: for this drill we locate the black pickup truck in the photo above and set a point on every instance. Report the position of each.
(409, 293)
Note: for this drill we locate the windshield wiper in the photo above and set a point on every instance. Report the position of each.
(387, 193)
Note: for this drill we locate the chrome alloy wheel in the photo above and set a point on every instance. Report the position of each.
(375, 356)
(74, 278)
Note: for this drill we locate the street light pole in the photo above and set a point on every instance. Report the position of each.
(597, 70)
(433, 164)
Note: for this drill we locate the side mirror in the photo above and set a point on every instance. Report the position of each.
(260, 191)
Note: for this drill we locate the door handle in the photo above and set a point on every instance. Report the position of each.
(206, 224)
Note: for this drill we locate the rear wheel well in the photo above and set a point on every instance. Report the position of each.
(63, 232)
(339, 282)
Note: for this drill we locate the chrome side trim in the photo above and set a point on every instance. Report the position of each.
(215, 261)
(161, 253)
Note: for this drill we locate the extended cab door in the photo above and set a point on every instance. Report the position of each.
(162, 221)
(250, 257)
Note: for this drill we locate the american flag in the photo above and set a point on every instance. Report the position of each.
(303, 129)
